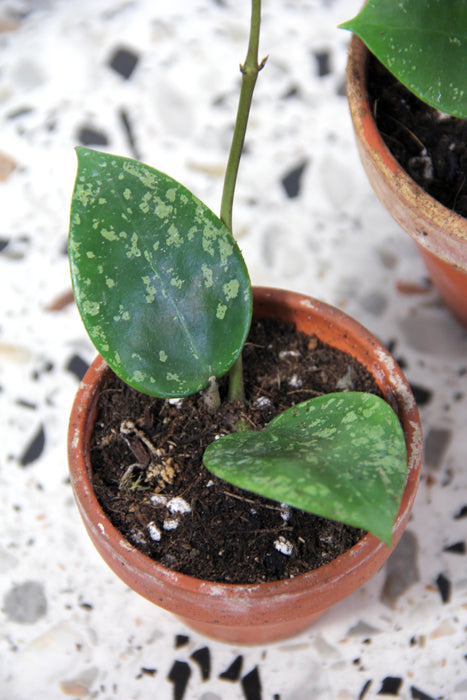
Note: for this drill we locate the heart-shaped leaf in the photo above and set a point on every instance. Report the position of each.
(424, 44)
(159, 281)
(341, 456)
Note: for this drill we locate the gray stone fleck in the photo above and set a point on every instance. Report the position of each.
(401, 569)
(25, 603)
(81, 684)
(388, 259)
(435, 334)
(461, 688)
(28, 74)
(436, 444)
(346, 382)
(375, 303)
(362, 629)
(7, 561)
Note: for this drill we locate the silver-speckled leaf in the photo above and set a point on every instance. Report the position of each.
(424, 44)
(159, 281)
(341, 456)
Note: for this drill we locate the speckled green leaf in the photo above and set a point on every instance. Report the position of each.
(423, 43)
(341, 456)
(158, 279)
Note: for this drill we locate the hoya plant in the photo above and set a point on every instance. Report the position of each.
(423, 43)
(165, 296)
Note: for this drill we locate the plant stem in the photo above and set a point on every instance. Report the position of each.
(250, 70)
(236, 389)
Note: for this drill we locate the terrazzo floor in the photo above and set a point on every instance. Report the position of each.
(159, 81)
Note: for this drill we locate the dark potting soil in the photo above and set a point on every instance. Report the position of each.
(148, 474)
(429, 145)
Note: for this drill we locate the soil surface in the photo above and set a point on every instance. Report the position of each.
(149, 477)
(429, 145)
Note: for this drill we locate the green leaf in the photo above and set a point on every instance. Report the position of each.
(159, 281)
(424, 44)
(341, 456)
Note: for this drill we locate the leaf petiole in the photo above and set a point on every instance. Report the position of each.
(250, 70)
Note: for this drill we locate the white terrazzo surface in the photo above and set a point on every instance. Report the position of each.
(68, 627)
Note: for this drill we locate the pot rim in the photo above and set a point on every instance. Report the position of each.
(80, 428)
(439, 229)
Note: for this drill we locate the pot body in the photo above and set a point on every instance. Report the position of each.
(440, 233)
(264, 612)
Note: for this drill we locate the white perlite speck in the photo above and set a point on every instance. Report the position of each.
(285, 512)
(295, 381)
(170, 524)
(178, 505)
(288, 353)
(262, 401)
(154, 532)
(284, 546)
(175, 402)
(159, 499)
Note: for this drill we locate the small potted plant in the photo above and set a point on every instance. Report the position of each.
(165, 296)
(422, 45)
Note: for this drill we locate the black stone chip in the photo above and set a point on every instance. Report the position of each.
(419, 695)
(34, 449)
(232, 673)
(364, 690)
(251, 685)
(88, 136)
(461, 514)
(292, 180)
(128, 129)
(444, 587)
(77, 366)
(181, 640)
(390, 686)
(456, 548)
(322, 63)
(123, 62)
(203, 659)
(422, 396)
(148, 671)
(179, 675)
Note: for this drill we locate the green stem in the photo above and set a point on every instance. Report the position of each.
(236, 390)
(250, 70)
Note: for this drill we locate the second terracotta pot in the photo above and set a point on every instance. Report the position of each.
(264, 612)
(440, 233)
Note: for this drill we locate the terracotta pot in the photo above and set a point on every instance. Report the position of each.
(265, 612)
(440, 233)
